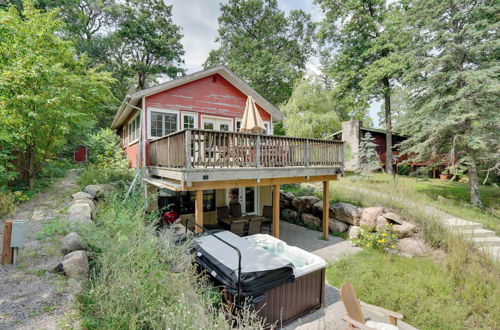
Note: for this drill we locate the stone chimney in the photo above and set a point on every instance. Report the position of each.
(351, 135)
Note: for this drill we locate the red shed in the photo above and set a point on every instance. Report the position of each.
(80, 154)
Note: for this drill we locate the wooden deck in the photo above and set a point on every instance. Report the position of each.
(194, 155)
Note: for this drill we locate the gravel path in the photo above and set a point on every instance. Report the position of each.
(30, 296)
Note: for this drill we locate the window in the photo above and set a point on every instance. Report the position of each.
(267, 128)
(224, 127)
(188, 121)
(163, 123)
(184, 202)
(133, 130)
(208, 125)
(238, 125)
(124, 137)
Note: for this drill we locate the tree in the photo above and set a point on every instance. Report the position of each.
(262, 45)
(150, 40)
(453, 83)
(367, 36)
(46, 92)
(310, 111)
(368, 160)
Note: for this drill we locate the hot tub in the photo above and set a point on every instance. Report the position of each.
(284, 282)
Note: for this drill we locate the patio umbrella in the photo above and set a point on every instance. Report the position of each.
(252, 122)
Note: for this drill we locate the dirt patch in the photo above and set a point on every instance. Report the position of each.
(31, 296)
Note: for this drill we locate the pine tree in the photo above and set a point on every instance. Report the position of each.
(453, 83)
(368, 159)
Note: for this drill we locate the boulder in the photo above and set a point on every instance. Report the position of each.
(406, 229)
(393, 217)
(413, 246)
(81, 195)
(89, 202)
(369, 216)
(337, 226)
(381, 222)
(310, 219)
(72, 242)
(286, 199)
(290, 215)
(93, 190)
(80, 219)
(76, 265)
(317, 209)
(345, 212)
(105, 189)
(353, 232)
(304, 203)
(80, 209)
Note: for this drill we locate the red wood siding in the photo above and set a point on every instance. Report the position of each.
(207, 96)
(210, 96)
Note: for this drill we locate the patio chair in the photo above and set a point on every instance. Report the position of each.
(223, 213)
(267, 212)
(235, 210)
(355, 316)
(254, 226)
(238, 227)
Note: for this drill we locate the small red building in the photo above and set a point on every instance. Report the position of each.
(80, 154)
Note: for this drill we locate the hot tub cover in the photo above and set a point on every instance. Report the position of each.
(260, 269)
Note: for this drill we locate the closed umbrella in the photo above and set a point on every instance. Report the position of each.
(252, 122)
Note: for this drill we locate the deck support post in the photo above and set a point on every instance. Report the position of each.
(198, 212)
(326, 208)
(276, 210)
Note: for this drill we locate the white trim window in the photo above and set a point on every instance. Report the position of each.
(268, 128)
(134, 129)
(217, 123)
(189, 120)
(124, 136)
(238, 124)
(162, 122)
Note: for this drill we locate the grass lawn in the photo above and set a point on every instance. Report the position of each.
(451, 197)
(430, 294)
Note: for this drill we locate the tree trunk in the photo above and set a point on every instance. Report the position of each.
(30, 168)
(475, 197)
(388, 126)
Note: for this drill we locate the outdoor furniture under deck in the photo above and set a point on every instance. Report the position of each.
(254, 226)
(198, 160)
(238, 227)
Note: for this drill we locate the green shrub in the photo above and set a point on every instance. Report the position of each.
(94, 174)
(7, 203)
(300, 190)
(377, 238)
(107, 161)
(105, 150)
(136, 281)
(404, 170)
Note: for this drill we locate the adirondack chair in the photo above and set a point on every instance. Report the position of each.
(355, 316)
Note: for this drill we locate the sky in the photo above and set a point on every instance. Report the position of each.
(198, 20)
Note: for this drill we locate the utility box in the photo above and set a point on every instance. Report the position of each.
(18, 236)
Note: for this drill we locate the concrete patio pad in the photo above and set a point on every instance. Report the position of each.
(311, 241)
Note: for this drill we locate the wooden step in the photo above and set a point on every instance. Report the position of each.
(493, 251)
(459, 224)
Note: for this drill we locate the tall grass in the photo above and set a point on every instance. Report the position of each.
(140, 280)
(460, 291)
(448, 196)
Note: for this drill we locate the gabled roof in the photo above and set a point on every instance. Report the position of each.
(132, 99)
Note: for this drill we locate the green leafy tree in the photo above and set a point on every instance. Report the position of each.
(368, 159)
(310, 111)
(263, 45)
(367, 35)
(453, 83)
(46, 93)
(150, 40)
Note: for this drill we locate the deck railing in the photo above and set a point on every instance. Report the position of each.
(196, 148)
